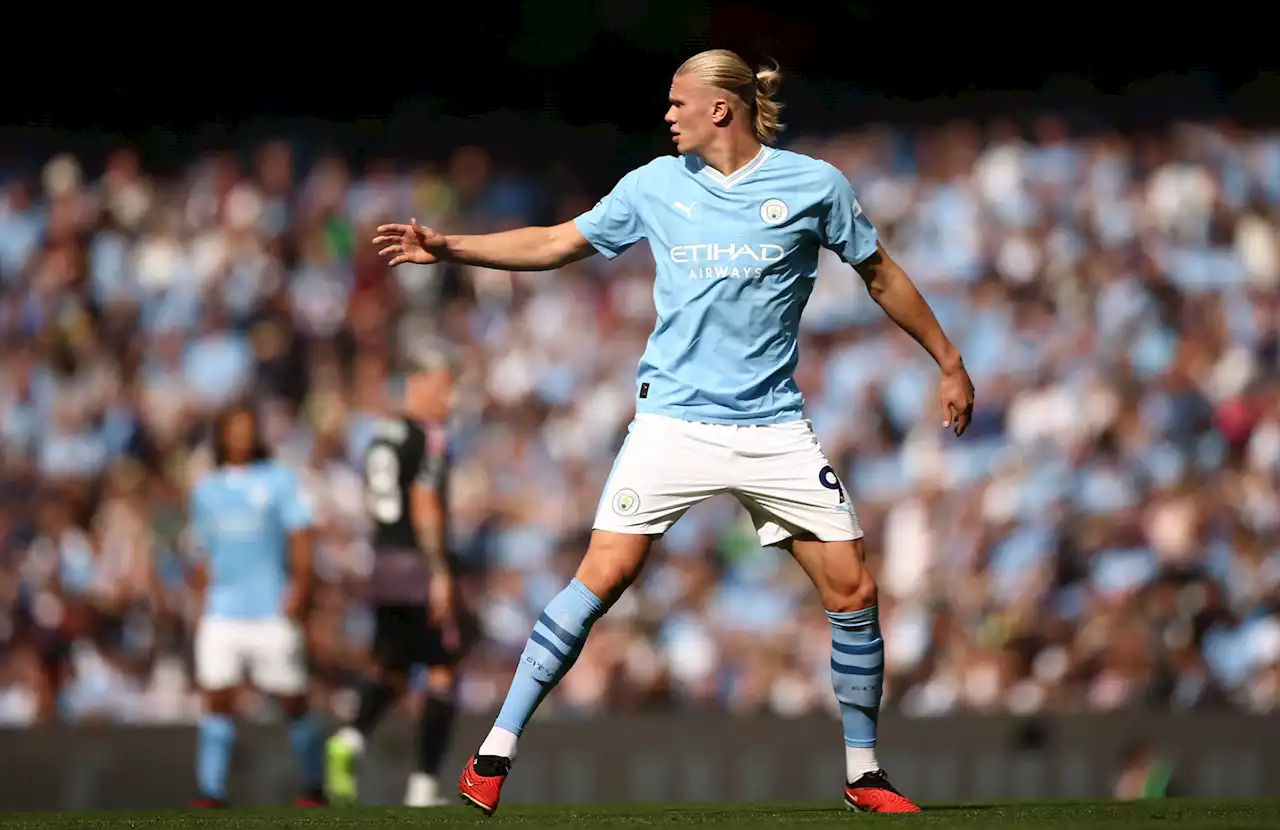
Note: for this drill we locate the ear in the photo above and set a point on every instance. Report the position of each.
(721, 112)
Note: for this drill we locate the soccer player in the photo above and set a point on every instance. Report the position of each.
(417, 616)
(736, 227)
(251, 525)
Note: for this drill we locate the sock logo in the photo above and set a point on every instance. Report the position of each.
(626, 502)
(548, 672)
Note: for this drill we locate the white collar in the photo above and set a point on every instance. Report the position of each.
(738, 176)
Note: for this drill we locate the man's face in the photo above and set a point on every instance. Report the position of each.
(431, 394)
(239, 434)
(695, 111)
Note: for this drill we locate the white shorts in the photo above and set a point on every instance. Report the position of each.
(271, 652)
(777, 471)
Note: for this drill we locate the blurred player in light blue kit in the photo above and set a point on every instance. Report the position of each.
(736, 228)
(250, 524)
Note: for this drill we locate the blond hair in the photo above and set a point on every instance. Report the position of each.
(724, 69)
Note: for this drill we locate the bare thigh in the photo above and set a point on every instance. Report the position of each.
(837, 569)
(612, 562)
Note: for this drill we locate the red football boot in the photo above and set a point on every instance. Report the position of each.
(204, 803)
(311, 798)
(872, 793)
(481, 782)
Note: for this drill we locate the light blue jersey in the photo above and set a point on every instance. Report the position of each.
(736, 260)
(242, 518)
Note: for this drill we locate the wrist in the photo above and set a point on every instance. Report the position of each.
(950, 361)
(448, 252)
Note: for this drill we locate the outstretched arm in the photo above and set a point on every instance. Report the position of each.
(525, 249)
(894, 291)
(611, 227)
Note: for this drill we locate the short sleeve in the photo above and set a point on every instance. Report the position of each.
(613, 225)
(296, 512)
(847, 230)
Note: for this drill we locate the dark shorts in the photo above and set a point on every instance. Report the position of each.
(404, 637)
(400, 578)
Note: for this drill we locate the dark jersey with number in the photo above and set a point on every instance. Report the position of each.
(404, 453)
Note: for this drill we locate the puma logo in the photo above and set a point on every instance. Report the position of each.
(687, 210)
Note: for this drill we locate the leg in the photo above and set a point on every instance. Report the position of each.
(215, 743)
(799, 504)
(612, 562)
(435, 728)
(396, 627)
(280, 669)
(848, 594)
(218, 672)
(439, 712)
(665, 467)
(306, 739)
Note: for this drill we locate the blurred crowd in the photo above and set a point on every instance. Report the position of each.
(1107, 535)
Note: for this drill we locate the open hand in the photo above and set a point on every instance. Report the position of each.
(411, 243)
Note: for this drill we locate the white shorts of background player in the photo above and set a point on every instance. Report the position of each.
(271, 653)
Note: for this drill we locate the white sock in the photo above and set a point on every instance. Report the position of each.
(351, 736)
(423, 791)
(500, 742)
(858, 761)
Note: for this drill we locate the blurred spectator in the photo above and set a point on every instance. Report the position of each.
(1143, 774)
(1106, 537)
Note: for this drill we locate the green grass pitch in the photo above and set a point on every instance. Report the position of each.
(1182, 814)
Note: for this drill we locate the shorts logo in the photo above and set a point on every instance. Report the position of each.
(827, 478)
(626, 502)
(774, 212)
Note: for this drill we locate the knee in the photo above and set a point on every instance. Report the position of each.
(440, 682)
(220, 701)
(853, 593)
(612, 562)
(854, 597)
(393, 677)
(295, 706)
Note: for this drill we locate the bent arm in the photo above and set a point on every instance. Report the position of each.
(525, 249)
(894, 291)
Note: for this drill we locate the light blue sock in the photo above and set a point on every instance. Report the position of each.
(213, 755)
(857, 672)
(555, 643)
(307, 739)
